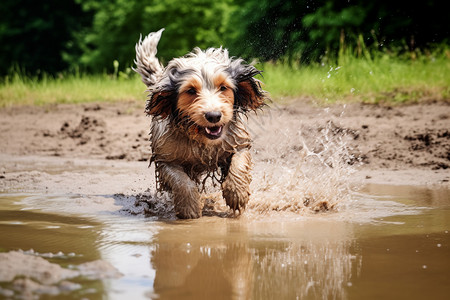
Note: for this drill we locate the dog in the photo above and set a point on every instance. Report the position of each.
(198, 103)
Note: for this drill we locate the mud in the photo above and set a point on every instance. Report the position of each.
(394, 232)
(75, 179)
(107, 131)
(306, 157)
(31, 275)
(384, 137)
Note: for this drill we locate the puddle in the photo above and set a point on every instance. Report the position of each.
(387, 242)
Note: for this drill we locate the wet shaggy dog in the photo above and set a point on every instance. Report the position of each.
(197, 132)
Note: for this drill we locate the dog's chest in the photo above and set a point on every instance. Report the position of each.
(169, 146)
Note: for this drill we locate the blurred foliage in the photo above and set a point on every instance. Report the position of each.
(308, 30)
(117, 26)
(99, 35)
(34, 34)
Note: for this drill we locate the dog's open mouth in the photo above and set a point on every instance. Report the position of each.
(213, 132)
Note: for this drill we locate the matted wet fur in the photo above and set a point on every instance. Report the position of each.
(197, 103)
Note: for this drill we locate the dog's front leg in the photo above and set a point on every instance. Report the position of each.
(184, 190)
(236, 187)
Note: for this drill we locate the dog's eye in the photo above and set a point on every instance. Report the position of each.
(192, 91)
(223, 88)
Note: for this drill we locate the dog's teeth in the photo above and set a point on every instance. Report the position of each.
(213, 130)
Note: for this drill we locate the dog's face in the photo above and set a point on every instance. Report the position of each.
(206, 98)
(202, 91)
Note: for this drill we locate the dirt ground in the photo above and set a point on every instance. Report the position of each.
(95, 155)
(407, 144)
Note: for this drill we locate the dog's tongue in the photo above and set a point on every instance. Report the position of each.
(216, 130)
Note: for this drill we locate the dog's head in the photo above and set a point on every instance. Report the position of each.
(203, 91)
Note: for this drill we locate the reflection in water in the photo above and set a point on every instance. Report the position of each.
(411, 195)
(60, 240)
(396, 247)
(306, 270)
(229, 259)
(212, 272)
(124, 243)
(25, 228)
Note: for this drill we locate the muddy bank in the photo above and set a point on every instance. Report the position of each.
(407, 144)
(30, 274)
(64, 167)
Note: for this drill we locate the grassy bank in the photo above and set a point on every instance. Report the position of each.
(372, 77)
(368, 77)
(68, 88)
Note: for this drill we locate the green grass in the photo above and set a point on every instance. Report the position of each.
(365, 77)
(20, 90)
(380, 77)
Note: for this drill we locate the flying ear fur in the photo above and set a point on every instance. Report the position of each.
(248, 95)
(161, 104)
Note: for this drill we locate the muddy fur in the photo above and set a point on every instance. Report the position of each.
(198, 103)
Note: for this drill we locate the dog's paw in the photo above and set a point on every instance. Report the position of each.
(188, 212)
(188, 204)
(236, 199)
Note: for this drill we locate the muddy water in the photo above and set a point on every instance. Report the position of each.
(387, 242)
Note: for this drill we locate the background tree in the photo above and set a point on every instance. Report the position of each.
(34, 34)
(117, 25)
(305, 30)
(51, 35)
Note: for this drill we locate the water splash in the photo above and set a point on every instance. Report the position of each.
(298, 169)
(313, 177)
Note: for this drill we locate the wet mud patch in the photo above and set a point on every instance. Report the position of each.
(26, 274)
(147, 204)
(88, 129)
(432, 141)
(112, 131)
(160, 206)
(92, 134)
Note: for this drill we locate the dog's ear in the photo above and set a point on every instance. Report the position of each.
(161, 103)
(248, 94)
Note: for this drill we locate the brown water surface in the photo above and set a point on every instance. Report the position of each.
(388, 242)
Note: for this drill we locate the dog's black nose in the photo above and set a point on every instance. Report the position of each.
(213, 116)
